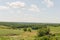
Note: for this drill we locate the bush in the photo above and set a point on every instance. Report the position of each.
(53, 34)
(29, 29)
(43, 31)
(25, 29)
(46, 38)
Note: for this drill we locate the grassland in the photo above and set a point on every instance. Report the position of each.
(56, 31)
(16, 34)
(6, 33)
(9, 34)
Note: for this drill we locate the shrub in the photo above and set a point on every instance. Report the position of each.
(46, 38)
(43, 31)
(53, 34)
(25, 29)
(29, 29)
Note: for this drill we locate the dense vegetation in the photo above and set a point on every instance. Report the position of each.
(26, 25)
(29, 31)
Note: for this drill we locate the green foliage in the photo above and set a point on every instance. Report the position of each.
(11, 29)
(45, 38)
(29, 29)
(43, 32)
(34, 26)
(25, 29)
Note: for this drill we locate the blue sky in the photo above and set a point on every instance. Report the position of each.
(47, 11)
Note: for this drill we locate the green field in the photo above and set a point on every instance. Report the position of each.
(56, 30)
(8, 33)
(15, 34)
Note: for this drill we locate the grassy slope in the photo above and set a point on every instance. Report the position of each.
(22, 35)
(15, 34)
(56, 31)
(9, 34)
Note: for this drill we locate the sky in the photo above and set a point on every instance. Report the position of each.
(42, 11)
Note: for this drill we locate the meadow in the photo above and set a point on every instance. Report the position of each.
(8, 32)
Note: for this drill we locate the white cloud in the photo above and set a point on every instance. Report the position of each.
(3, 7)
(22, 5)
(34, 8)
(16, 4)
(49, 3)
